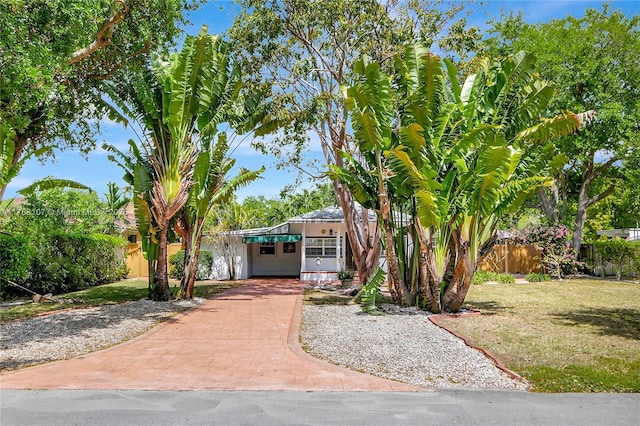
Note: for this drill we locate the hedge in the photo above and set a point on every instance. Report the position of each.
(67, 262)
(14, 258)
(205, 263)
(623, 255)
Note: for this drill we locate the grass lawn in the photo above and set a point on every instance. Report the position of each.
(118, 292)
(569, 336)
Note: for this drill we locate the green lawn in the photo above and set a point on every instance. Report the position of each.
(118, 292)
(569, 336)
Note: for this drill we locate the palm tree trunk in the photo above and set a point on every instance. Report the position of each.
(458, 287)
(162, 291)
(429, 288)
(191, 256)
(397, 285)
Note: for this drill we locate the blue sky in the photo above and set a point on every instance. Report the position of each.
(95, 170)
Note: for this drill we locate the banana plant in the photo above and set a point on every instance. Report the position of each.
(210, 187)
(466, 153)
(171, 102)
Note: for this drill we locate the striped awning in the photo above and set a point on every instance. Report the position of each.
(274, 238)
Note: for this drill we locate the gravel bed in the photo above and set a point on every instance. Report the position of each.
(76, 332)
(402, 345)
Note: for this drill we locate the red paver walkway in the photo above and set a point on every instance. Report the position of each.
(244, 339)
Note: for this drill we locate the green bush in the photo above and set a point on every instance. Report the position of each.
(624, 256)
(205, 263)
(483, 276)
(537, 278)
(505, 278)
(14, 260)
(14, 257)
(67, 262)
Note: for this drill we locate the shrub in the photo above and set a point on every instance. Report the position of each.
(205, 263)
(537, 278)
(346, 274)
(67, 262)
(553, 240)
(14, 259)
(624, 256)
(483, 276)
(505, 279)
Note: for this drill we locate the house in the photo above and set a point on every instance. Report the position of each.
(631, 234)
(310, 246)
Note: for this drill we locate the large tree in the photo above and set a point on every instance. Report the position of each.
(300, 53)
(459, 155)
(179, 166)
(54, 56)
(593, 60)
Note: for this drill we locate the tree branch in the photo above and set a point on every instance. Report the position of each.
(597, 172)
(116, 67)
(103, 36)
(602, 195)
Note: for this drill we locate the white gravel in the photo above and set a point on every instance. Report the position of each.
(403, 346)
(71, 333)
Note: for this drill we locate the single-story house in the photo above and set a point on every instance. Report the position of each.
(631, 234)
(310, 246)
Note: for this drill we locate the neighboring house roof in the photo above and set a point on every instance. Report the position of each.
(632, 234)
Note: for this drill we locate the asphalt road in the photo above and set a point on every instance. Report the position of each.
(450, 407)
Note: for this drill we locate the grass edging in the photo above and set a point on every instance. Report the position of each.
(473, 313)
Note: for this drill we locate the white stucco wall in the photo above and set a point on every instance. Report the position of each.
(278, 264)
(220, 269)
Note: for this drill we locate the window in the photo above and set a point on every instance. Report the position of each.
(267, 248)
(321, 247)
(133, 238)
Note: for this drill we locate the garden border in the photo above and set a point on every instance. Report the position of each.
(473, 313)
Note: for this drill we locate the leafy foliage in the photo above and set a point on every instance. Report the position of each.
(14, 258)
(57, 210)
(62, 262)
(346, 274)
(623, 256)
(205, 263)
(537, 278)
(481, 277)
(593, 62)
(45, 86)
(454, 157)
(371, 292)
(299, 56)
(558, 257)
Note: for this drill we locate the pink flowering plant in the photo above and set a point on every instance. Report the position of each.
(558, 258)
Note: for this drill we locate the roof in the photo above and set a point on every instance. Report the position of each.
(328, 215)
(633, 234)
(282, 228)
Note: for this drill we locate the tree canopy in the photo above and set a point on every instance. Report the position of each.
(443, 161)
(594, 62)
(55, 54)
(299, 53)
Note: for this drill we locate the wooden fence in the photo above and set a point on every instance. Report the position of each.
(137, 264)
(512, 259)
